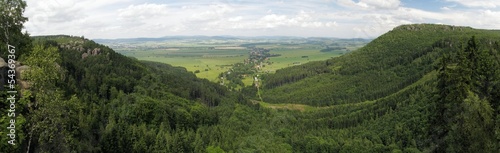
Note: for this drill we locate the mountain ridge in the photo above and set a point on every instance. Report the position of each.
(222, 37)
(390, 56)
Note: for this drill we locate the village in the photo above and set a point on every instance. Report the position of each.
(257, 59)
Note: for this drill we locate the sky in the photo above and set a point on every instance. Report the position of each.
(110, 19)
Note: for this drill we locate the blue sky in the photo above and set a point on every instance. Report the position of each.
(311, 18)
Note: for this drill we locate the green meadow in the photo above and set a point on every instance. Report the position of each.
(208, 68)
(291, 57)
(208, 59)
(209, 62)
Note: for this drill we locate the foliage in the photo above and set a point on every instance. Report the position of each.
(11, 25)
(439, 93)
(388, 64)
(463, 120)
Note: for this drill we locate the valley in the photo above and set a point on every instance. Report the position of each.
(416, 88)
(209, 57)
(249, 77)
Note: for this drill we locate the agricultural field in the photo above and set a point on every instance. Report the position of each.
(296, 56)
(209, 57)
(206, 63)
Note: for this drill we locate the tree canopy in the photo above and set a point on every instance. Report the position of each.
(417, 88)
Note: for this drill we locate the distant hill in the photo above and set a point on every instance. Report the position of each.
(419, 87)
(199, 38)
(386, 65)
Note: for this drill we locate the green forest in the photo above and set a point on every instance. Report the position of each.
(416, 88)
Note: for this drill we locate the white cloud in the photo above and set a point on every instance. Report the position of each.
(382, 4)
(331, 24)
(55, 11)
(478, 3)
(312, 24)
(178, 28)
(302, 19)
(370, 4)
(273, 20)
(235, 19)
(143, 11)
(333, 18)
(211, 12)
(72, 17)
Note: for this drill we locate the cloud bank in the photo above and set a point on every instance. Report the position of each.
(316, 18)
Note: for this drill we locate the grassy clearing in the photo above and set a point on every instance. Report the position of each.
(248, 81)
(299, 107)
(291, 57)
(307, 108)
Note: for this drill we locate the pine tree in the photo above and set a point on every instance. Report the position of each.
(463, 102)
(439, 123)
(477, 124)
(462, 111)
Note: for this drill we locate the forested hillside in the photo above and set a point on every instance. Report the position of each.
(430, 87)
(388, 64)
(95, 100)
(107, 102)
(417, 88)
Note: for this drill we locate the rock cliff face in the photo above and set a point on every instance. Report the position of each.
(84, 47)
(78, 46)
(74, 45)
(3, 73)
(95, 51)
(20, 69)
(19, 72)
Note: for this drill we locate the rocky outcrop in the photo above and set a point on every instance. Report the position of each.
(85, 55)
(74, 45)
(431, 27)
(77, 45)
(3, 73)
(90, 52)
(2, 62)
(96, 51)
(20, 70)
